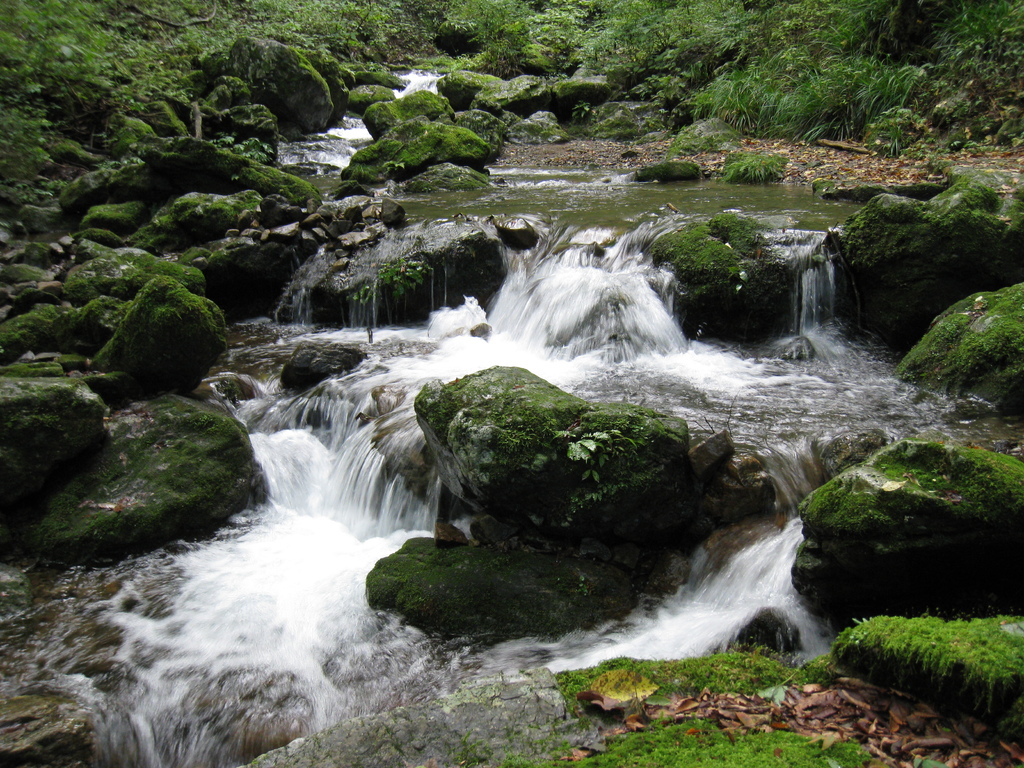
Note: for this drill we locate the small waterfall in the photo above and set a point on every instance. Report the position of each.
(296, 304)
(418, 80)
(812, 297)
(325, 153)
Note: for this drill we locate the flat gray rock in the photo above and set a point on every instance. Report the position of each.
(485, 721)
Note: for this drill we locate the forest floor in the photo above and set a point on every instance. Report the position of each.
(807, 162)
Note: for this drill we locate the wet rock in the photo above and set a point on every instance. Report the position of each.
(385, 115)
(521, 95)
(708, 456)
(363, 96)
(46, 731)
(122, 273)
(191, 219)
(15, 590)
(670, 570)
(850, 448)
(492, 595)
(712, 135)
(740, 488)
(488, 127)
(670, 170)
(481, 331)
(517, 232)
(312, 362)
(45, 422)
(495, 437)
(447, 535)
(391, 212)
(489, 719)
(446, 177)
(462, 86)
(490, 531)
(538, 128)
(413, 147)
(919, 524)
(169, 467)
(769, 628)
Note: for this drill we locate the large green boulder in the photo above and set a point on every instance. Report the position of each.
(446, 177)
(194, 218)
(975, 347)
(385, 115)
(625, 120)
(522, 95)
(44, 422)
(362, 96)
(121, 218)
(339, 79)
(122, 272)
(918, 525)
(126, 132)
(462, 86)
(712, 135)
(168, 339)
(971, 666)
(538, 128)
(509, 444)
(911, 260)
(670, 170)
(488, 127)
(170, 467)
(578, 95)
(199, 166)
(422, 144)
(282, 79)
(486, 595)
(38, 330)
(733, 285)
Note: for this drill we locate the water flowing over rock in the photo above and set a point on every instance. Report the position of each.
(519, 714)
(509, 444)
(49, 731)
(311, 363)
(918, 524)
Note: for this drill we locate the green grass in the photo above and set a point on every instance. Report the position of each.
(750, 168)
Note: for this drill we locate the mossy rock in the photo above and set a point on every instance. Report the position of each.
(122, 273)
(171, 467)
(625, 121)
(573, 94)
(911, 260)
(121, 218)
(340, 80)
(479, 593)
(69, 152)
(162, 117)
(918, 525)
(385, 115)
(15, 589)
(857, 192)
(377, 75)
(283, 79)
(32, 370)
(670, 170)
(102, 237)
(461, 87)
(38, 330)
(538, 128)
(753, 168)
(126, 132)
(485, 125)
(424, 145)
(503, 441)
(975, 347)
(250, 121)
(22, 273)
(199, 166)
(87, 329)
(521, 95)
(168, 339)
(446, 177)
(733, 285)
(362, 96)
(973, 666)
(45, 422)
(712, 135)
(227, 91)
(192, 219)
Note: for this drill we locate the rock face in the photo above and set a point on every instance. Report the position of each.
(311, 363)
(912, 260)
(732, 286)
(46, 731)
(511, 445)
(168, 339)
(492, 596)
(170, 467)
(918, 524)
(486, 720)
(44, 422)
(975, 347)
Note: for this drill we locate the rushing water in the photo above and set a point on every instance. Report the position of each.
(208, 653)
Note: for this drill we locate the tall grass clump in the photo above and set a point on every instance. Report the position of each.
(751, 168)
(982, 42)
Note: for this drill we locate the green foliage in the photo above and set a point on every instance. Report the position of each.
(251, 148)
(750, 168)
(594, 448)
(394, 279)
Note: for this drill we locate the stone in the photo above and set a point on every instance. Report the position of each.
(517, 232)
(538, 128)
(488, 127)
(461, 87)
(121, 273)
(385, 115)
(670, 170)
(740, 488)
(711, 135)
(363, 96)
(391, 212)
(446, 177)
(447, 535)
(849, 448)
(487, 720)
(45, 422)
(421, 145)
(170, 467)
(521, 95)
(490, 531)
(574, 93)
(50, 731)
(312, 362)
(769, 628)
(706, 457)
(625, 120)
(15, 592)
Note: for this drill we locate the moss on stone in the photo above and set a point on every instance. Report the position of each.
(163, 119)
(35, 331)
(362, 96)
(974, 347)
(670, 170)
(121, 218)
(122, 273)
(45, 370)
(711, 135)
(974, 665)
(168, 339)
(522, 95)
(126, 132)
(461, 87)
(194, 218)
(382, 116)
(85, 330)
(101, 236)
(489, 595)
(22, 273)
(445, 177)
(421, 146)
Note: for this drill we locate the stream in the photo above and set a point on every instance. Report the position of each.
(208, 653)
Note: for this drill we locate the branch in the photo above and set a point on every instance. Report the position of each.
(169, 23)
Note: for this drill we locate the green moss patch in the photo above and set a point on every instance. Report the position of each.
(122, 274)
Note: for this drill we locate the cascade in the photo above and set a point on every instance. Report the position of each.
(418, 80)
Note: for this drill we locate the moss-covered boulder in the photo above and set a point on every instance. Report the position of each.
(121, 218)
(170, 467)
(44, 422)
(712, 135)
(86, 329)
(521, 95)
(446, 177)
(918, 525)
(126, 132)
(974, 347)
(362, 96)
(122, 272)
(192, 219)
(514, 446)
(854, 191)
(422, 145)
(973, 666)
(340, 80)
(670, 170)
(625, 120)
(462, 86)
(199, 166)
(733, 285)
(385, 115)
(163, 118)
(282, 79)
(538, 128)
(168, 339)
(479, 593)
(911, 260)
(38, 330)
(377, 74)
(574, 95)
(488, 127)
